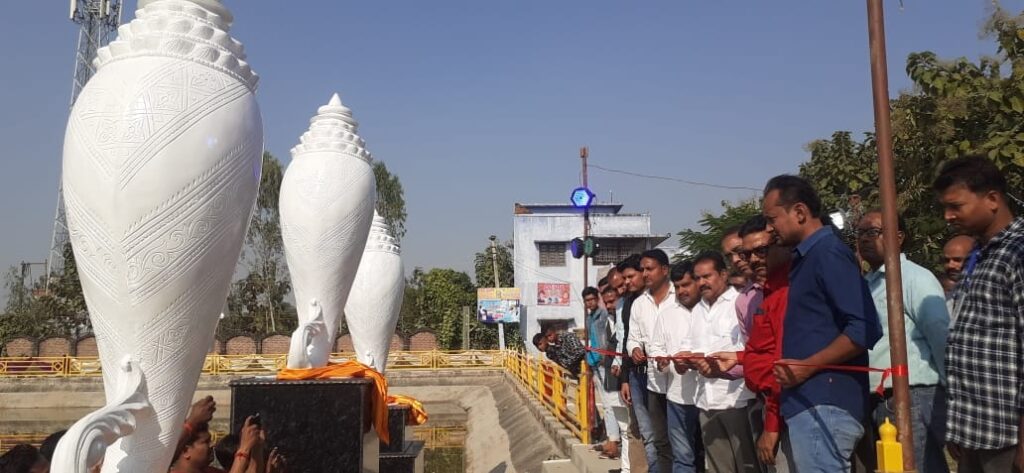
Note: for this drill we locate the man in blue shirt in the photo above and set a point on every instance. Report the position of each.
(830, 320)
(927, 325)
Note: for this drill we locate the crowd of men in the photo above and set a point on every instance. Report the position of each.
(770, 373)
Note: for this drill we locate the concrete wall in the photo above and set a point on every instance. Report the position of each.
(239, 345)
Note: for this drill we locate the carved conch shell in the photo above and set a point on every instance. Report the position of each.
(327, 199)
(87, 440)
(162, 163)
(373, 307)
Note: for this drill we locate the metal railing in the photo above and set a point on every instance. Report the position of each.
(562, 394)
(254, 364)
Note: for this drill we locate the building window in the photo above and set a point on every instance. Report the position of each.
(552, 254)
(614, 251)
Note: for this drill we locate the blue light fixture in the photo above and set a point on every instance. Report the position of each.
(582, 198)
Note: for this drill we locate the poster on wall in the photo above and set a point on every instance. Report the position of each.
(494, 305)
(553, 294)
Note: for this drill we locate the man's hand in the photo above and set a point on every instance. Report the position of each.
(680, 362)
(725, 360)
(638, 355)
(275, 464)
(250, 437)
(789, 375)
(707, 368)
(624, 394)
(616, 371)
(766, 445)
(662, 364)
(202, 411)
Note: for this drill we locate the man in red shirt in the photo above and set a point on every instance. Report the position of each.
(762, 319)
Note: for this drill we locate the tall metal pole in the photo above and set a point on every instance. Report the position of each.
(893, 275)
(497, 284)
(584, 153)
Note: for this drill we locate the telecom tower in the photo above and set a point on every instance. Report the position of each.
(97, 20)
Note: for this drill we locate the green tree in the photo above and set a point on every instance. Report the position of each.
(957, 108)
(257, 301)
(486, 335)
(713, 227)
(440, 294)
(390, 199)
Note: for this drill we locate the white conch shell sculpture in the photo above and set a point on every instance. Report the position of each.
(162, 163)
(373, 306)
(327, 198)
(93, 433)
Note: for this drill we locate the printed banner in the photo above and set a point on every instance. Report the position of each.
(556, 294)
(494, 305)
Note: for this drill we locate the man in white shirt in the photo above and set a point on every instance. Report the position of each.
(671, 338)
(724, 400)
(658, 297)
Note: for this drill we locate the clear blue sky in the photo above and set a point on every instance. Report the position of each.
(480, 104)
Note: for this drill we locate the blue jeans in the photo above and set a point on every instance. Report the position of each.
(683, 429)
(823, 438)
(638, 393)
(928, 421)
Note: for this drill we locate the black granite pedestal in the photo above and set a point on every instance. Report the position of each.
(402, 454)
(320, 426)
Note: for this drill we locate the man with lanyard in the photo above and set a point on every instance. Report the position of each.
(985, 349)
(830, 320)
(658, 297)
(631, 284)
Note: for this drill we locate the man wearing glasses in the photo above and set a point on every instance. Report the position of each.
(927, 324)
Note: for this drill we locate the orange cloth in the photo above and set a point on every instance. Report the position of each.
(417, 414)
(351, 369)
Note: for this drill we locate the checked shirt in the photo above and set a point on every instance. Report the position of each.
(985, 350)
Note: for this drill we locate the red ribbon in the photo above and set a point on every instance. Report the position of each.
(898, 370)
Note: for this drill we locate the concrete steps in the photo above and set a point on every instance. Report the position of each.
(584, 460)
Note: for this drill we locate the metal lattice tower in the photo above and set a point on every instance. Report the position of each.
(98, 21)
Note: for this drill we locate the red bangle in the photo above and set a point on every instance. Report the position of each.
(188, 428)
(242, 454)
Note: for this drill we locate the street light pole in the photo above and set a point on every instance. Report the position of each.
(584, 153)
(893, 275)
(497, 284)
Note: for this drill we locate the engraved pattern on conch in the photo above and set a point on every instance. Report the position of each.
(87, 440)
(373, 307)
(161, 169)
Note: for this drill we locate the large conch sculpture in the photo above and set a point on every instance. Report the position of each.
(162, 163)
(327, 199)
(373, 307)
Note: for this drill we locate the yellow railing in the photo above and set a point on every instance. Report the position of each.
(563, 395)
(72, 366)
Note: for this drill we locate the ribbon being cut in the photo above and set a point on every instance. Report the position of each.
(379, 398)
(899, 370)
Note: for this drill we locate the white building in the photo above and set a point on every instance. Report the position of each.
(549, 278)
